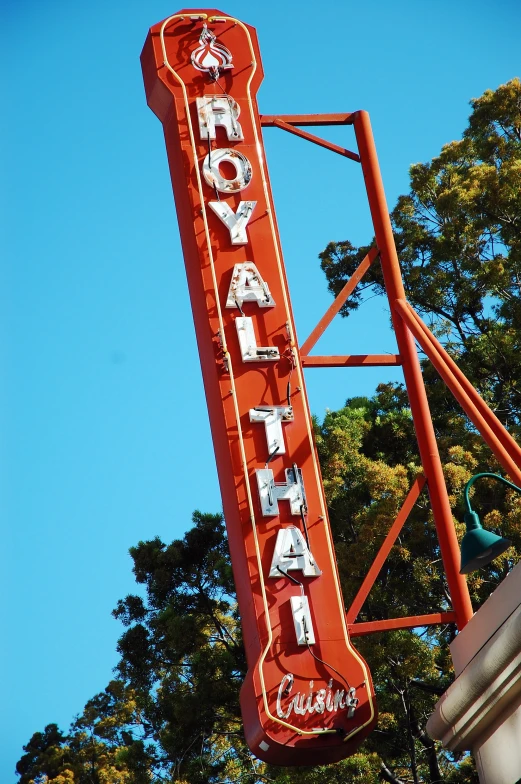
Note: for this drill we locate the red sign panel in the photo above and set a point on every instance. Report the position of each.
(308, 697)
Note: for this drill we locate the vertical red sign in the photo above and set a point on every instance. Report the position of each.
(308, 697)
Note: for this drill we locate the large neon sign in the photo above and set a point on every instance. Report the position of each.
(308, 696)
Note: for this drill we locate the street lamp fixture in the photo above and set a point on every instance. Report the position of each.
(479, 547)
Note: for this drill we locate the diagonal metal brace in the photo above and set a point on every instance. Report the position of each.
(310, 137)
(385, 549)
(333, 309)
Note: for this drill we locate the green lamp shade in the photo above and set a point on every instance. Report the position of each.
(479, 547)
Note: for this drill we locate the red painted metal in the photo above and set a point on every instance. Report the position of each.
(463, 399)
(310, 137)
(340, 299)
(412, 372)
(458, 380)
(411, 622)
(352, 360)
(307, 120)
(276, 726)
(385, 549)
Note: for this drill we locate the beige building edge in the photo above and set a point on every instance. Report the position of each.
(481, 711)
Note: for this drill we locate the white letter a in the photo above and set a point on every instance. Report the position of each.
(291, 552)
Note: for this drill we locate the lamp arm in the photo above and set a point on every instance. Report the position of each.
(479, 476)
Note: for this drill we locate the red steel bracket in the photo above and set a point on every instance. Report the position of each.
(353, 360)
(345, 118)
(372, 627)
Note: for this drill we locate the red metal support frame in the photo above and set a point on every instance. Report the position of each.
(459, 393)
(385, 549)
(408, 357)
(427, 445)
(339, 301)
(463, 390)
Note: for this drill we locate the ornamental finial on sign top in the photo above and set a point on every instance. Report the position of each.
(211, 56)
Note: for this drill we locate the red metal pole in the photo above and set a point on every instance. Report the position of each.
(412, 372)
(460, 380)
(466, 402)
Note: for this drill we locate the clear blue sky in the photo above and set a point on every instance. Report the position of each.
(105, 434)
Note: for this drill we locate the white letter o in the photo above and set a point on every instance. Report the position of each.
(215, 179)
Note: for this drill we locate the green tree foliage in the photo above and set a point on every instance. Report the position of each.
(182, 651)
(171, 714)
(104, 745)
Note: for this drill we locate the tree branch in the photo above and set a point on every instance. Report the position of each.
(430, 750)
(387, 775)
(429, 688)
